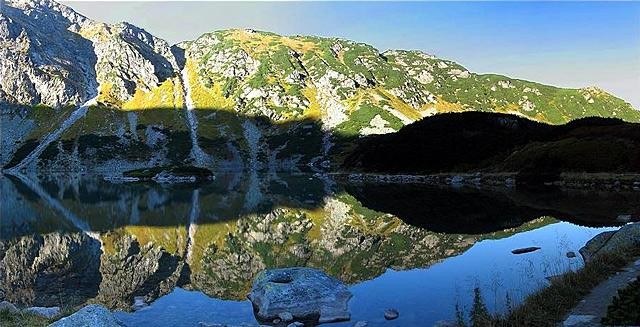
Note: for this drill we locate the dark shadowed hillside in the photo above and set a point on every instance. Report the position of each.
(474, 141)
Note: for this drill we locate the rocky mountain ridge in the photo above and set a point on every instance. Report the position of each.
(72, 86)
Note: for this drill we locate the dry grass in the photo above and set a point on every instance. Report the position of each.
(548, 306)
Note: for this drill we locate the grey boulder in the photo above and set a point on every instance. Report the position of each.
(308, 294)
(93, 315)
(613, 241)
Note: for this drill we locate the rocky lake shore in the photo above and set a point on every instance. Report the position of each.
(568, 181)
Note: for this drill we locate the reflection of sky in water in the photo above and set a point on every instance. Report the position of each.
(423, 296)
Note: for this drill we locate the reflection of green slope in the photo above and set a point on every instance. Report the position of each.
(343, 238)
(154, 238)
(527, 226)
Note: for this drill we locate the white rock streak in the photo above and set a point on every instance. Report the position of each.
(49, 138)
(79, 223)
(199, 156)
(192, 226)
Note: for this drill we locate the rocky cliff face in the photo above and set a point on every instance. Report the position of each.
(246, 98)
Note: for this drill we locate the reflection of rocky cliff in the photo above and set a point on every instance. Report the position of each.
(79, 239)
(50, 269)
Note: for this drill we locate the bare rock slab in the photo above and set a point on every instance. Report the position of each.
(608, 242)
(307, 294)
(93, 315)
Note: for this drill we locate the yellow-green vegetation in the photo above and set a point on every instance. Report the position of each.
(171, 238)
(313, 111)
(167, 95)
(106, 96)
(399, 105)
(258, 43)
(206, 97)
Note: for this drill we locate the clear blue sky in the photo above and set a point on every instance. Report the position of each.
(570, 44)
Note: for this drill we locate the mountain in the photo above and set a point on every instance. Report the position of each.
(475, 141)
(73, 88)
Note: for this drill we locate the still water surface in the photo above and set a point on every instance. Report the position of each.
(192, 250)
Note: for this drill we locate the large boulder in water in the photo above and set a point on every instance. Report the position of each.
(308, 294)
(608, 242)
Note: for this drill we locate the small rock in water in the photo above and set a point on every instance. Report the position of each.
(8, 306)
(285, 316)
(361, 324)
(525, 250)
(295, 324)
(571, 254)
(391, 314)
(44, 312)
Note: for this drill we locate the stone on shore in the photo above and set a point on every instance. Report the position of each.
(93, 315)
(308, 294)
(609, 242)
(44, 311)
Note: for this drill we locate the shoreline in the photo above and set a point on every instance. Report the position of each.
(568, 181)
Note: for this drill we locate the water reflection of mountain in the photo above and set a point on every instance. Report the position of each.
(70, 240)
(472, 211)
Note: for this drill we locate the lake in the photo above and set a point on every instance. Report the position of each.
(192, 250)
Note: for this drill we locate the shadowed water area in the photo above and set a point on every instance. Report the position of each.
(192, 250)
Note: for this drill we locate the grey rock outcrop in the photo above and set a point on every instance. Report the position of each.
(38, 270)
(307, 294)
(612, 241)
(52, 55)
(93, 315)
(42, 61)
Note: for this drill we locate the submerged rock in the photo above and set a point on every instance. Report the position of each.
(525, 250)
(613, 241)
(93, 315)
(306, 294)
(391, 314)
